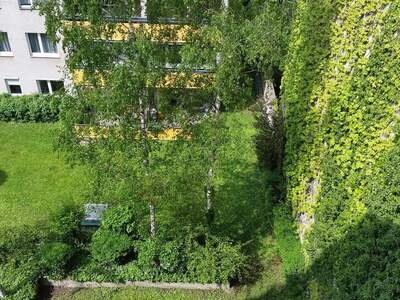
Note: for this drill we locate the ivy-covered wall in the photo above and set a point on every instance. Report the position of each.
(341, 97)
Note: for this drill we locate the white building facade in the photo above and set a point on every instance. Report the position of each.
(29, 61)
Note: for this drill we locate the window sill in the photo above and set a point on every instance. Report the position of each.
(45, 55)
(25, 7)
(6, 54)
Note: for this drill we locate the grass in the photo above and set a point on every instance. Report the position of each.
(34, 181)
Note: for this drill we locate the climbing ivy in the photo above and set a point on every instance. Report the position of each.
(342, 110)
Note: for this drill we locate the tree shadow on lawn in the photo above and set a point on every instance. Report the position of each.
(243, 203)
(3, 177)
(243, 209)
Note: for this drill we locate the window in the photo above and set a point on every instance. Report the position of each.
(119, 8)
(41, 45)
(13, 86)
(49, 86)
(25, 4)
(5, 47)
(172, 54)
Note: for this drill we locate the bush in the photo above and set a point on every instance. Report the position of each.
(19, 266)
(29, 108)
(120, 252)
(108, 247)
(65, 225)
(53, 258)
(217, 261)
(122, 219)
(30, 253)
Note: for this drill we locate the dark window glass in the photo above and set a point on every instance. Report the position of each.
(4, 43)
(34, 42)
(48, 45)
(57, 85)
(119, 8)
(15, 89)
(173, 55)
(25, 2)
(43, 87)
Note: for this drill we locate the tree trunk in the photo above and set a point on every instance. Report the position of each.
(210, 192)
(152, 220)
(268, 102)
(143, 132)
(210, 173)
(143, 8)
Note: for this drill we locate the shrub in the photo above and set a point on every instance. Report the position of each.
(65, 224)
(31, 252)
(19, 266)
(217, 261)
(108, 247)
(148, 253)
(170, 256)
(53, 257)
(122, 219)
(29, 108)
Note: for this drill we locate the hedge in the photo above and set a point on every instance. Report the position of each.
(29, 108)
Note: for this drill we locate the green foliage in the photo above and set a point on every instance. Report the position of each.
(188, 255)
(170, 258)
(341, 117)
(218, 261)
(108, 247)
(32, 108)
(65, 224)
(247, 40)
(54, 256)
(123, 219)
(32, 252)
(19, 270)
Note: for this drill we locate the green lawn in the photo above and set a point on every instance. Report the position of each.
(34, 181)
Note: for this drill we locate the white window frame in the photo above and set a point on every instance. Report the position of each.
(48, 81)
(7, 83)
(42, 53)
(6, 53)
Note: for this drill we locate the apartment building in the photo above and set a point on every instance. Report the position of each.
(29, 61)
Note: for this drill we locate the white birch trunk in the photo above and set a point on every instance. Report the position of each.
(143, 131)
(269, 101)
(143, 8)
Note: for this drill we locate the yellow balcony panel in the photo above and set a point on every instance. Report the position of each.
(180, 80)
(89, 132)
(171, 80)
(165, 33)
